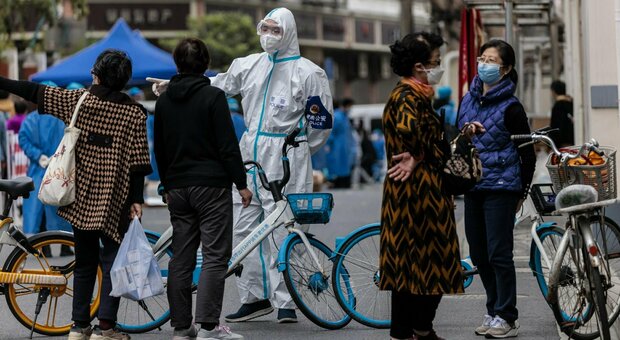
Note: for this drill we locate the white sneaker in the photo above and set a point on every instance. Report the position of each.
(500, 329)
(219, 332)
(78, 333)
(185, 334)
(486, 325)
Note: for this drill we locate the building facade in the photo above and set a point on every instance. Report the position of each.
(349, 38)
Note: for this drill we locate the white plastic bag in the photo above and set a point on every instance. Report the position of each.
(135, 274)
(58, 184)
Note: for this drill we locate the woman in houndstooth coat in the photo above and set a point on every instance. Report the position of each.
(112, 158)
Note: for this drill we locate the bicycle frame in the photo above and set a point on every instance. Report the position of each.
(281, 216)
(5, 237)
(577, 234)
(14, 237)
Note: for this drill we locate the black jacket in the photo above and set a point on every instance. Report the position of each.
(195, 142)
(562, 119)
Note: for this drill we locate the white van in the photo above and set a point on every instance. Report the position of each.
(369, 115)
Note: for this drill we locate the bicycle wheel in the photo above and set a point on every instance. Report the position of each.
(55, 316)
(550, 238)
(151, 313)
(607, 238)
(356, 280)
(600, 301)
(309, 287)
(574, 309)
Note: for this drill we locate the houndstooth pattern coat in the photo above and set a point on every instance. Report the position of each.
(111, 145)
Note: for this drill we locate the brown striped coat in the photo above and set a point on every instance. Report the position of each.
(419, 244)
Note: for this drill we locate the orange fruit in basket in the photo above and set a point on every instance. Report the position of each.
(577, 161)
(595, 158)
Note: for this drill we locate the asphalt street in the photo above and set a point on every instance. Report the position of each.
(456, 319)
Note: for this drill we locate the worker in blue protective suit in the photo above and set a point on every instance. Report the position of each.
(444, 106)
(280, 91)
(39, 137)
(74, 86)
(137, 94)
(378, 142)
(237, 117)
(339, 162)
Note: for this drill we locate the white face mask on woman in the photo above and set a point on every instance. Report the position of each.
(434, 75)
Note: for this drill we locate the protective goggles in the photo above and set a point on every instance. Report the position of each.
(266, 28)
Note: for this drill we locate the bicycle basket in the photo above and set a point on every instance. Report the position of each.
(602, 177)
(312, 208)
(543, 198)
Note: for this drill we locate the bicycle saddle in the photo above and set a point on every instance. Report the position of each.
(16, 187)
(576, 194)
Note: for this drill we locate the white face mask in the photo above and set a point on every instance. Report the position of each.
(434, 75)
(269, 43)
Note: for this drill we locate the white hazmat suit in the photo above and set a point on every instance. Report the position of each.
(280, 91)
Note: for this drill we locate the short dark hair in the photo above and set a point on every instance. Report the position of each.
(113, 68)
(191, 56)
(20, 106)
(4, 94)
(507, 53)
(347, 102)
(412, 49)
(559, 87)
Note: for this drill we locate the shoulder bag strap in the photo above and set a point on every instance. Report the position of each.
(77, 108)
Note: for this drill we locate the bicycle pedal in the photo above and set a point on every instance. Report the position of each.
(568, 327)
(238, 270)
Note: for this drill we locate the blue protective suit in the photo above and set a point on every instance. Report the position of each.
(238, 123)
(150, 136)
(339, 160)
(40, 135)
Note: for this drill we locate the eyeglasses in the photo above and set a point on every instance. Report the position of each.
(489, 60)
(264, 28)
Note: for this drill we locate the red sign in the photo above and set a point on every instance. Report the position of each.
(471, 40)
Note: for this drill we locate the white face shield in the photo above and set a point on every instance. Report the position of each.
(270, 35)
(270, 28)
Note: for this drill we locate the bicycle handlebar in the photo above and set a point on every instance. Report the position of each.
(541, 136)
(521, 138)
(276, 186)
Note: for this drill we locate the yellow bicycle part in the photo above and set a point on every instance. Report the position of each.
(55, 316)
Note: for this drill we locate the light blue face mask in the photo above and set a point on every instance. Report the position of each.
(489, 73)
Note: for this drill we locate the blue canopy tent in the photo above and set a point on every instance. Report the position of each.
(147, 60)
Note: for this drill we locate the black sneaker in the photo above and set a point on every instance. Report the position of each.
(249, 311)
(66, 251)
(47, 251)
(287, 316)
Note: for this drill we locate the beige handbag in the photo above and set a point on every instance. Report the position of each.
(58, 184)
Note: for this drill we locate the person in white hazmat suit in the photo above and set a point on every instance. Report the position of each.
(280, 91)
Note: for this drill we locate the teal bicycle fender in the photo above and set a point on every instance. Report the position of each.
(282, 252)
(341, 240)
(545, 225)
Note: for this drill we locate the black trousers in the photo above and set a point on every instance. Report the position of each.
(411, 312)
(489, 227)
(199, 215)
(88, 255)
